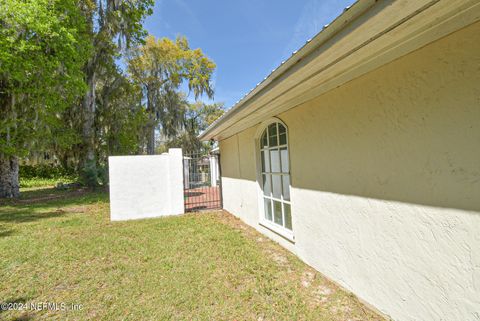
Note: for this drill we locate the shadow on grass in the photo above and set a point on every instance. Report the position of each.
(47, 194)
(27, 216)
(44, 204)
(50, 193)
(25, 317)
(5, 233)
(33, 196)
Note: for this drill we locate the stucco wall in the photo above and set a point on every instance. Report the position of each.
(385, 177)
(146, 186)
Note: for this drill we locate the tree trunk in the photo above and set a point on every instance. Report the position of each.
(151, 139)
(87, 158)
(151, 123)
(9, 185)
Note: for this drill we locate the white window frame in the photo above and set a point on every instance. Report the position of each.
(278, 229)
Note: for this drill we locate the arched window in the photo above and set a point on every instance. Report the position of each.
(275, 175)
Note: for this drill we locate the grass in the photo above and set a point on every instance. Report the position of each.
(36, 182)
(60, 247)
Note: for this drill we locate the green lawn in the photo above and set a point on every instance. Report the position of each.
(196, 266)
(39, 182)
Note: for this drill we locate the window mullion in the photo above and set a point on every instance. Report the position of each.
(269, 177)
(278, 134)
(268, 138)
(273, 210)
(281, 181)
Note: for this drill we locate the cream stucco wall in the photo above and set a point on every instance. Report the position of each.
(386, 182)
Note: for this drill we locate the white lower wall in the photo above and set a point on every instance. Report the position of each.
(146, 186)
(413, 262)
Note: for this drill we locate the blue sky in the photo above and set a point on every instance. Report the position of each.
(245, 38)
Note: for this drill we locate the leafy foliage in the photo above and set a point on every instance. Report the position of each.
(160, 67)
(44, 46)
(45, 175)
(63, 95)
(36, 182)
(120, 117)
(196, 118)
(44, 171)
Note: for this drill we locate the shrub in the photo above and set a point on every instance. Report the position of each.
(89, 175)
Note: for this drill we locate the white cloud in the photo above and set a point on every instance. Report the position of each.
(191, 15)
(315, 14)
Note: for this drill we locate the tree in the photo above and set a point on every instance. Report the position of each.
(42, 43)
(118, 124)
(160, 67)
(196, 118)
(120, 117)
(108, 21)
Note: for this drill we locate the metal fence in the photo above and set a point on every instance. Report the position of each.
(202, 182)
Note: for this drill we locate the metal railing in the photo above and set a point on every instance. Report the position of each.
(202, 182)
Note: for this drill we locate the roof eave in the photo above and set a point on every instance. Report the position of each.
(358, 41)
(349, 14)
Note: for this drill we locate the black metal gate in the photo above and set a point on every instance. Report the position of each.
(202, 181)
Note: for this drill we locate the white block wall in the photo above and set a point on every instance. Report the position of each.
(146, 186)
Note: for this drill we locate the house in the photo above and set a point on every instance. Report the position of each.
(361, 154)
